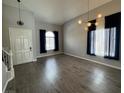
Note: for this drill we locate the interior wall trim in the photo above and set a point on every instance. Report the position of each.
(115, 67)
(35, 59)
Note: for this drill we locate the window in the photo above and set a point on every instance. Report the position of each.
(110, 41)
(50, 40)
(99, 42)
(105, 40)
(92, 42)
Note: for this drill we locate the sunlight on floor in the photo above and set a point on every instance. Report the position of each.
(51, 71)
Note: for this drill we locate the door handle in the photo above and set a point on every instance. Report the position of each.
(30, 48)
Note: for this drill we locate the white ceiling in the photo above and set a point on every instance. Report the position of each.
(57, 11)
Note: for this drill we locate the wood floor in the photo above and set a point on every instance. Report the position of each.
(66, 74)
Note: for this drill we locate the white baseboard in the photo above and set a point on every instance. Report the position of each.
(50, 54)
(34, 59)
(93, 61)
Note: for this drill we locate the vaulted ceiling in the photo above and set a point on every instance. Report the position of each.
(57, 11)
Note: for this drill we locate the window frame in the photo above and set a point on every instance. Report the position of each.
(50, 37)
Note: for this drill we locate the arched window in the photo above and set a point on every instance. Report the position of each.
(50, 40)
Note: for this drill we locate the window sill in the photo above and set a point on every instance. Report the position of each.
(50, 50)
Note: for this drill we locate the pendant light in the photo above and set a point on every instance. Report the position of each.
(96, 24)
(88, 23)
(19, 22)
(99, 15)
(80, 22)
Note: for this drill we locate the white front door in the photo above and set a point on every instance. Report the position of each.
(21, 45)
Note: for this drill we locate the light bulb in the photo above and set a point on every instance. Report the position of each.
(88, 24)
(99, 15)
(79, 22)
(96, 24)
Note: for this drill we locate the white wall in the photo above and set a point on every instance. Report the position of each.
(48, 27)
(5, 34)
(75, 38)
(10, 17)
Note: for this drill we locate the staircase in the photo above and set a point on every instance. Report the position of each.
(11, 87)
(7, 72)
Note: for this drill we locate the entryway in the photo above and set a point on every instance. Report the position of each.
(21, 45)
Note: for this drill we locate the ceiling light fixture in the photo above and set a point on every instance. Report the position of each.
(79, 22)
(96, 24)
(19, 22)
(99, 16)
(88, 23)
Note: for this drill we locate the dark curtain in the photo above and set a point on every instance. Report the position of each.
(114, 21)
(56, 41)
(91, 37)
(42, 41)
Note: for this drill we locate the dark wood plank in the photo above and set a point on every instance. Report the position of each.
(66, 74)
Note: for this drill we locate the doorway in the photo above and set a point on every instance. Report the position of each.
(21, 45)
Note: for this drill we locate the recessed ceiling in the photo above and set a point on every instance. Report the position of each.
(57, 11)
